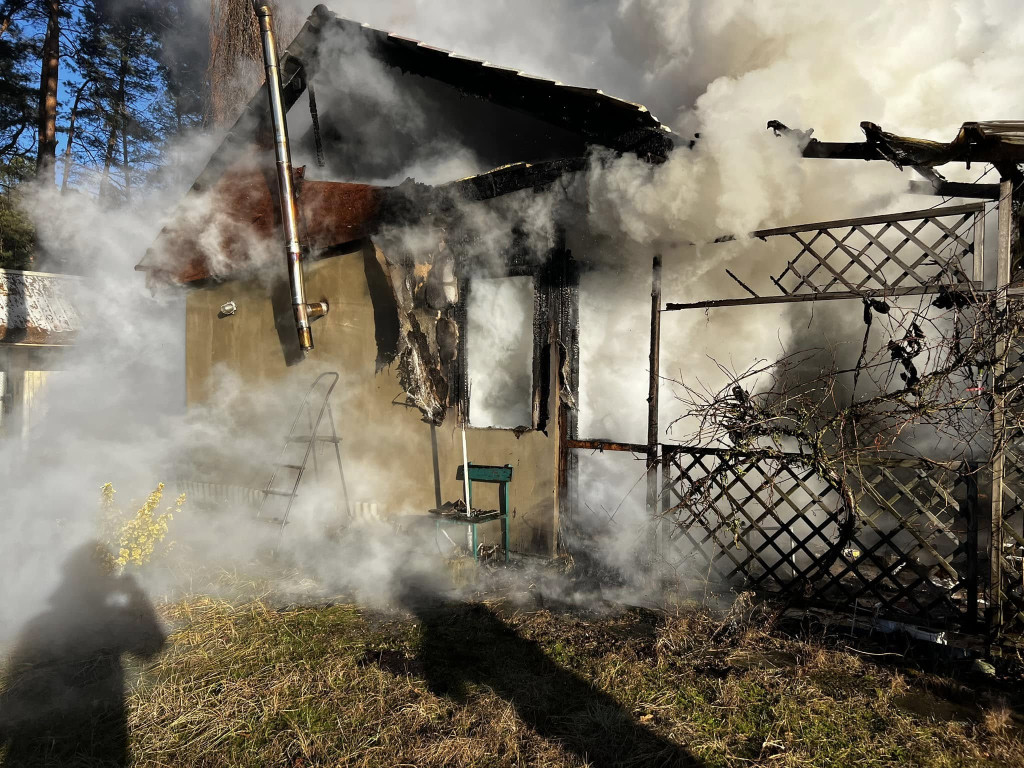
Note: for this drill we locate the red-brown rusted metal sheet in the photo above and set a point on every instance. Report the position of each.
(233, 225)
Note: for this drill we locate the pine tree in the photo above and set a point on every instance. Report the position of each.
(17, 235)
(17, 92)
(49, 75)
(117, 56)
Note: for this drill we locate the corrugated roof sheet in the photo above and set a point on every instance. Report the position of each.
(36, 308)
(575, 107)
(597, 117)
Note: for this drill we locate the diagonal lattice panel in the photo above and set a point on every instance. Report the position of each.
(757, 521)
(900, 253)
(913, 537)
(773, 525)
(1011, 555)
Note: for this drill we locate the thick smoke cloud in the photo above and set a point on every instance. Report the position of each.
(717, 68)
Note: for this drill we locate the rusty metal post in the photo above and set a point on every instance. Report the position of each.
(1003, 261)
(653, 435)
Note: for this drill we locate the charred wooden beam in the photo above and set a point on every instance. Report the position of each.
(841, 150)
(565, 311)
(653, 433)
(411, 200)
(874, 460)
(995, 142)
(512, 178)
(654, 363)
(955, 189)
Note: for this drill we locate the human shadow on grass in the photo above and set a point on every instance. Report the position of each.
(62, 701)
(468, 644)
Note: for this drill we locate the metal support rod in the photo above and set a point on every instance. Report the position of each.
(1003, 260)
(880, 293)
(652, 397)
(606, 445)
(286, 189)
(978, 266)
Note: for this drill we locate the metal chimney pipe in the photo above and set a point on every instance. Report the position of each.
(289, 214)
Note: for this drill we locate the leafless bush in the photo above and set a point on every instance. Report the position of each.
(925, 386)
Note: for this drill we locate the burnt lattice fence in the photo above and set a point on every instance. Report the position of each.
(934, 543)
(910, 549)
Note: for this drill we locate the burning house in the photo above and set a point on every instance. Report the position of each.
(381, 268)
(387, 297)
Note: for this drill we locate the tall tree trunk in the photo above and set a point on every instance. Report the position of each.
(123, 108)
(116, 112)
(125, 167)
(46, 159)
(71, 136)
(7, 13)
(108, 160)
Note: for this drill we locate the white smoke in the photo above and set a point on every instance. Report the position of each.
(720, 69)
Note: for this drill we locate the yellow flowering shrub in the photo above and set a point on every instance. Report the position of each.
(133, 537)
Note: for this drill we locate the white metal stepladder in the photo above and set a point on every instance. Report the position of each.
(304, 435)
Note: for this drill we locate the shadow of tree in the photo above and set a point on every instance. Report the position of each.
(62, 702)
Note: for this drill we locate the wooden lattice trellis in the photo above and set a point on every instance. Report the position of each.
(903, 254)
(1011, 548)
(899, 253)
(911, 551)
(926, 542)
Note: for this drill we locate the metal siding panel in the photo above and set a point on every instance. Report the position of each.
(36, 308)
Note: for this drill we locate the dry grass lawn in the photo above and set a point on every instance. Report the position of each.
(475, 685)
(484, 684)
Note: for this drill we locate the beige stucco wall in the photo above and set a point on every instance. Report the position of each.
(386, 447)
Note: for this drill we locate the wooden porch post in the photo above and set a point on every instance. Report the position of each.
(1003, 262)
(653, 435)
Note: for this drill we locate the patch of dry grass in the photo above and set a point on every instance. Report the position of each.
(481, 685)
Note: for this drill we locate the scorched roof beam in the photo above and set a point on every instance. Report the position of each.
(975, 143)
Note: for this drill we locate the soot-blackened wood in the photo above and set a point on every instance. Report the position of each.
(459, 387)
(955, 189)
(542, 298)
(654, 361)
(565, 311)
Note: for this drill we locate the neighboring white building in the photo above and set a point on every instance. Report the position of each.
(37, 323)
